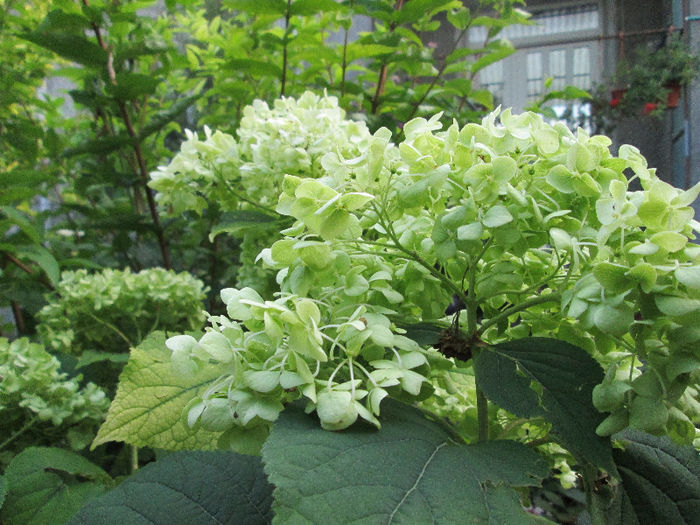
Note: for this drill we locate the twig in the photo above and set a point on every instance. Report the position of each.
(19, 317)
(381, 82)
(287, 17)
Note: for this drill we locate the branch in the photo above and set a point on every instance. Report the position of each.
(540, 299)
(381, 82)
(143, 170)
(42, 278)
(287, 16)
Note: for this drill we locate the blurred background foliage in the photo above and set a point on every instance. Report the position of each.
(96, 94)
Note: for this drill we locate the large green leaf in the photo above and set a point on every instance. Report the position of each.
(660, 481)
(410, 471)
(150, 399)
(566, 375)
(49, 485)
(196, 488)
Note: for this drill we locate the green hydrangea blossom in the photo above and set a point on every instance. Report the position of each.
(291, 137)
(114, 309)
(39, 404)
(532, 227)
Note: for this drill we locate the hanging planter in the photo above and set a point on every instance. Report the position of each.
(674, 95)
(616, 97)
(647, 84)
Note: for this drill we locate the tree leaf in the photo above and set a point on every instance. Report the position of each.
(310, 7)
(162, 118)
(150, 399)
(101, 145)
(411, 471)
(235, 221)
(187, 487)
(660, 481)
(49, 485)
(356, 51)
(567, 375)
(44, 259)
(254, 67)
(258, 7)
(22, 222)
(131, 86)
(73, 47)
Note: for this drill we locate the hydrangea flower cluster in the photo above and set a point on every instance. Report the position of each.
(290, 137)
(36, 397)
(113, 309)
(532, 227)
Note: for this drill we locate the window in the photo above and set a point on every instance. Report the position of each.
(561, 44)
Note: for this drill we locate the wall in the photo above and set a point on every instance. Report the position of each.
(692, 173)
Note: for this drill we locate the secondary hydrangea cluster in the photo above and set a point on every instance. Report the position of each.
(233, 174)
(37, 397)
(533, 227)
(113, 309)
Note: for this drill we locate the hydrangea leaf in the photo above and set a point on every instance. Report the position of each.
(49, 485)
(196, 488)
(660, 481)
(150, 399)
(566, 374)
(409, 472)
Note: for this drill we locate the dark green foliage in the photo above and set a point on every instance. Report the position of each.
(660, 481)
(49, 485)
(566, 375)
(193, 488)
(411, 471)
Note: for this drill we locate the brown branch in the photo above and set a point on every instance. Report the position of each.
(42, 279)
(136, 144)
(19, 318)
(381, 81)
(287, 17)
(441, 70)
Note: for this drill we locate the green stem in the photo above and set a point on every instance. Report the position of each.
(17, 434)
(417, 258)
(113, 328)
(589, 474)
(134, 458)
(243, 198)
(482, 411)
(540, 299)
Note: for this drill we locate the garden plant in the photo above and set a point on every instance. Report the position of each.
(421, 308)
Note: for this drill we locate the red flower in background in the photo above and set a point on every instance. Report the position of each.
(649, 107)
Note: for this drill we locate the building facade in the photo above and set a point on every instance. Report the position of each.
(580, 43)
